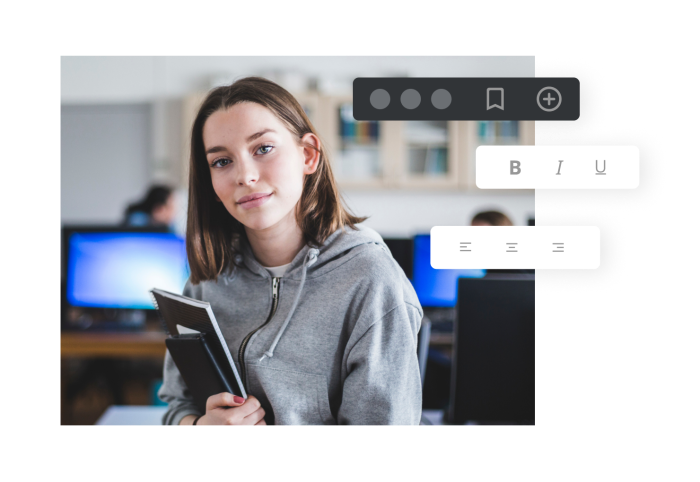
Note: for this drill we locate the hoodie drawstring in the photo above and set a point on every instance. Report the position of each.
(311, 258)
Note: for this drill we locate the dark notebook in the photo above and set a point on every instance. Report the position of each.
(203, 358)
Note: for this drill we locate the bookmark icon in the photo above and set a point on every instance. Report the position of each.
(495, 98)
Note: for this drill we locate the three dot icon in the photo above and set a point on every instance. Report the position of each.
(410, 99)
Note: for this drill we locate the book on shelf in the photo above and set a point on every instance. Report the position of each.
(436, 161)
(357, 132)
(493, 131)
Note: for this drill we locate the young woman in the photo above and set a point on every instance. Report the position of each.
(321, 321)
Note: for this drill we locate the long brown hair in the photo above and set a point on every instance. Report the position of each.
(213, 235)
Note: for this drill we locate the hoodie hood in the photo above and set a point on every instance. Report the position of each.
(328, 256)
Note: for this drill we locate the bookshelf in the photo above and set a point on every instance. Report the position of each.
(359, 151)
(417, 155)
(429, 154)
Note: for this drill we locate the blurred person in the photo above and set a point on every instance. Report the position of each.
(157, 208)
(321, 321)
(491, 218)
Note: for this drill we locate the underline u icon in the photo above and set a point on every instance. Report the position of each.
(598, 171)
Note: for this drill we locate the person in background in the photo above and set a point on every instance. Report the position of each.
(157, 208)
(491, 218)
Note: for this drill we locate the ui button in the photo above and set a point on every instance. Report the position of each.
(549, 99)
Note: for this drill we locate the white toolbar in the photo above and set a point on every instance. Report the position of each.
(515, 247)
(557, 167)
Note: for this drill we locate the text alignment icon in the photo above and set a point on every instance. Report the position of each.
(495, 98)
(511, 247)
(549, 99)
(465, 246)
(558, 247)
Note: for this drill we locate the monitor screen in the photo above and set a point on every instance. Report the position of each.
(436, 287)
(402, 251)
(118, 269)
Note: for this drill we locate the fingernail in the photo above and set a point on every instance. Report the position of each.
(238, 399)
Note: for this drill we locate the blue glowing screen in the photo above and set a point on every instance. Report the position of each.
(117, 270)
(436, 287)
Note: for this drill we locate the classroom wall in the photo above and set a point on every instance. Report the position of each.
(105, 160)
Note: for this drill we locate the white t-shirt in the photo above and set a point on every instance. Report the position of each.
(278, 271)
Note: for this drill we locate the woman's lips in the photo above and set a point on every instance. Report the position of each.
(253, 200)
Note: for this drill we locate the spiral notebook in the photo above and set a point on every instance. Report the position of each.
(197, 346)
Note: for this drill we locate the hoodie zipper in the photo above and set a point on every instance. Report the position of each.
(244, 344)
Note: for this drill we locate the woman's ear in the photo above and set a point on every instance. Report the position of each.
(312, 155)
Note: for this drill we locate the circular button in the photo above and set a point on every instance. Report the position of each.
(379, 99)
(549, 99)
(410, 98)
(441, 99)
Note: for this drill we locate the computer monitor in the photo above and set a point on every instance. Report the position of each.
(117, 269)
(493, 361)
(402, 251)
(436, 287)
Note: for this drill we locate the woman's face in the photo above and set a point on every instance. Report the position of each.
(257, 165)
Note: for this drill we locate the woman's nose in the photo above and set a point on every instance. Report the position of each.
(247, 174)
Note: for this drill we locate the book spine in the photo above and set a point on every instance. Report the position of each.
(215, 364)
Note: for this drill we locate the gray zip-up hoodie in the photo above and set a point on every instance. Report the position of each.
(331, 342)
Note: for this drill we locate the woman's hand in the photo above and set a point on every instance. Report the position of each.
(227, 409)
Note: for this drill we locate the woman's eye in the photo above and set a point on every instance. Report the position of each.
(220, 163)
(264, 149)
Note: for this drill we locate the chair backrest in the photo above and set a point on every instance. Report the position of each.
(493, 362)
(423, 343)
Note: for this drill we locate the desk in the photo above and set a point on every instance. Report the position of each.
(145, 415)
(132, 415)
(99, 355)
(442, 339)
(146, 344)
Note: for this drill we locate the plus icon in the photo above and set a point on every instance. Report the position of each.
(553, 102)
